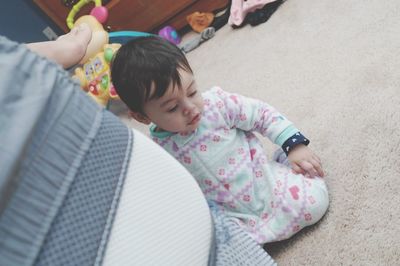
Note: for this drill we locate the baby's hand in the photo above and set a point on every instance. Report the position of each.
(304, 161)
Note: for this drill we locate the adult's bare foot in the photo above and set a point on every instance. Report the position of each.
(68, 49)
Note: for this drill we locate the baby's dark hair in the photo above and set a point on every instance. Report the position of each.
(145, 62)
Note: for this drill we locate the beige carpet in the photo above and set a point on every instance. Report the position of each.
(333, 68)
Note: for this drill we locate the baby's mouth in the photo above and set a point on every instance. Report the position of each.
(195, 119)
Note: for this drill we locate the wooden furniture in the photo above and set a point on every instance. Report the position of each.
(136, 15)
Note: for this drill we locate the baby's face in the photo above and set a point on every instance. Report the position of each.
(178, 110)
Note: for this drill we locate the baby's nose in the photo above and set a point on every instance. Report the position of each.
(189, 109)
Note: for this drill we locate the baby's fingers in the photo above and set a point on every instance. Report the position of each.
(316, 158)
(297, 169)
(318, 167)
(309, 169)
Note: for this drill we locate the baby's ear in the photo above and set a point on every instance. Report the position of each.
(140, 117)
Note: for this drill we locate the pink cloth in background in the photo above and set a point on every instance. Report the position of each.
(240, 8)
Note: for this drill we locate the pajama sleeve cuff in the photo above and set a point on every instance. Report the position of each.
(293, 141)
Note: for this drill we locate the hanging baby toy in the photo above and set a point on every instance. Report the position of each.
(94, 75)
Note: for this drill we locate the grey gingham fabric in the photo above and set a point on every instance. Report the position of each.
(232, 245)
(79, 227)
(67, 162)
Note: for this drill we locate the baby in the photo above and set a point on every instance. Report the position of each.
(211, 134)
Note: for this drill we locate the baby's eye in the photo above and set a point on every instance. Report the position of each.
(173, 109)
(193, 94)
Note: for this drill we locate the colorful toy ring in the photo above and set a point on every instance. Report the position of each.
(99, 12)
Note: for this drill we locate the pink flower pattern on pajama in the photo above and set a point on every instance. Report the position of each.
(231, 167)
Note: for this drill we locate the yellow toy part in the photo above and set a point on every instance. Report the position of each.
(95, 76)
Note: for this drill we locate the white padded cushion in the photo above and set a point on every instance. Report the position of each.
(162, 217)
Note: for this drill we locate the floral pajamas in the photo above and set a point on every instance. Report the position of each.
(229, 163)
